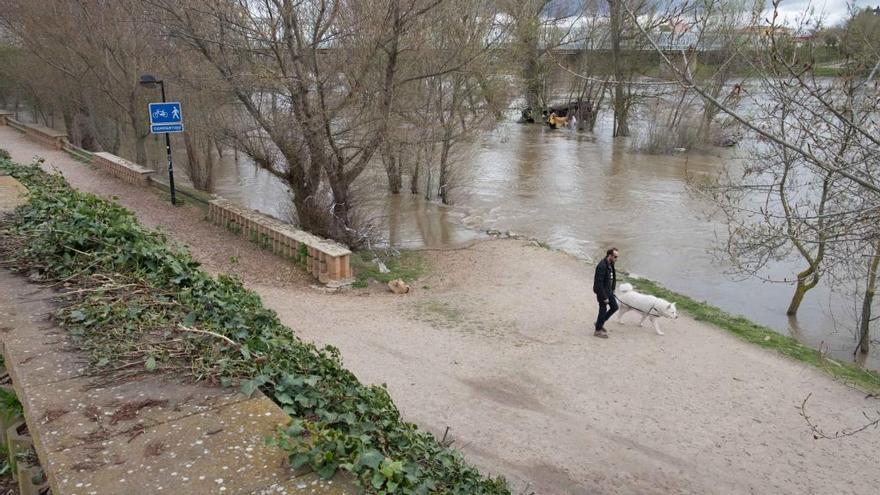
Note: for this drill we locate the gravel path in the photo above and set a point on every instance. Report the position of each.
(496, 344)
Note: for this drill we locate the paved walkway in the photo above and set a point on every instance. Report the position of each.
(495, 343)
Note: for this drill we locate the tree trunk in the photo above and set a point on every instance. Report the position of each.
(392, 169)
(532, 74)
(140, 150)
(621, 108)
(796, 300)
(200, 161)
(801, 289)
(340, 227)
(867, 302)
(429, 171)
(309, 215)
(414, 177)
(69, 118)
(117, 139)
(87, 130)
(443, 181)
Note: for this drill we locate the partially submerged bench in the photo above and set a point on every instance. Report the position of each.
(328, 261)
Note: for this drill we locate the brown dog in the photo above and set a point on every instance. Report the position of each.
(556, 121)
(398, 286)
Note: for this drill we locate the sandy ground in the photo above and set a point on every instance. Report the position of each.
(495, 343)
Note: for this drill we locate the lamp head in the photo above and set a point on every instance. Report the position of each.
(149, 81)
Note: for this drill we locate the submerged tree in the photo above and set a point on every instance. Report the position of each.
(97, 51)
(814, 187)
(318, 79)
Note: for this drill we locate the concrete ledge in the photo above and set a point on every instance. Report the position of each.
(49, 137)
(5, 116)
(12, 193)
(120, 167)
(328, 261)
(148, 435)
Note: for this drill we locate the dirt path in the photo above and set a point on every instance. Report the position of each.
(496, 344)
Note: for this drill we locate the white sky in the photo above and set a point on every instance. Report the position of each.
(833, 11)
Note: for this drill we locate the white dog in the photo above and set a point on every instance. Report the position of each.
(650, 307)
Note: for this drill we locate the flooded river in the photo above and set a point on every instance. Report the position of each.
(583, 193)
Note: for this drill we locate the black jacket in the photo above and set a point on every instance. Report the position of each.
(605, 279)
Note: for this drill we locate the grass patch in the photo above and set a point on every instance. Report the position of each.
(442, 310)
(408, 265)
(749, 331)
(79, 155)
(9, 404)
(828, 71)
(10, 408)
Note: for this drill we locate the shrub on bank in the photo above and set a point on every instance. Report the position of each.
(136, 305)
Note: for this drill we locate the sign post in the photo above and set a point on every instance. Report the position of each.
(166, 118)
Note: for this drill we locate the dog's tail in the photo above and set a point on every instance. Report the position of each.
(625, 287)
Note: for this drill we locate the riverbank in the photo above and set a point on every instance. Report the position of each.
(749, 331)
(495, 343)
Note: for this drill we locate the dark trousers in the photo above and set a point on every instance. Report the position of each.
(605, 310)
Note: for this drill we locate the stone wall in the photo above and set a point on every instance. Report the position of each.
(328, 261)
(120, 167)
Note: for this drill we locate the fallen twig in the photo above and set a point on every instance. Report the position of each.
(196, 330)
(819, 433)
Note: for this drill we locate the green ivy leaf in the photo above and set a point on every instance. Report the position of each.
(347, 418)
(295, 428)
(372, 458)
(190, 319)
(326, 471)
(248, 387)
(378, 480)
(389, 468)
(299, 460)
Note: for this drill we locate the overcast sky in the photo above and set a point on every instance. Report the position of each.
(834, 10)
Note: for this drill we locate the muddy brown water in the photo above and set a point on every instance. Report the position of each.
(582, 193)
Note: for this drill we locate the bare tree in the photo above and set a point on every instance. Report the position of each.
(527, 30)
(96, 44)
(818, 168)
(864, 334)
(316, 77)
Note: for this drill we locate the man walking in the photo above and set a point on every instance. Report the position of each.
(603, 286)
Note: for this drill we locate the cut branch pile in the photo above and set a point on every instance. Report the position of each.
(134, 305)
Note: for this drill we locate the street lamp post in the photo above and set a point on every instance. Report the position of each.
(150, 81)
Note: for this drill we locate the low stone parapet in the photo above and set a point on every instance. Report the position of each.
(328, 261)
(5, 117)
(120, 167)
(45, 135)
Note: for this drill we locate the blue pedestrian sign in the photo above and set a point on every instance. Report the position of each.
(165, 117)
